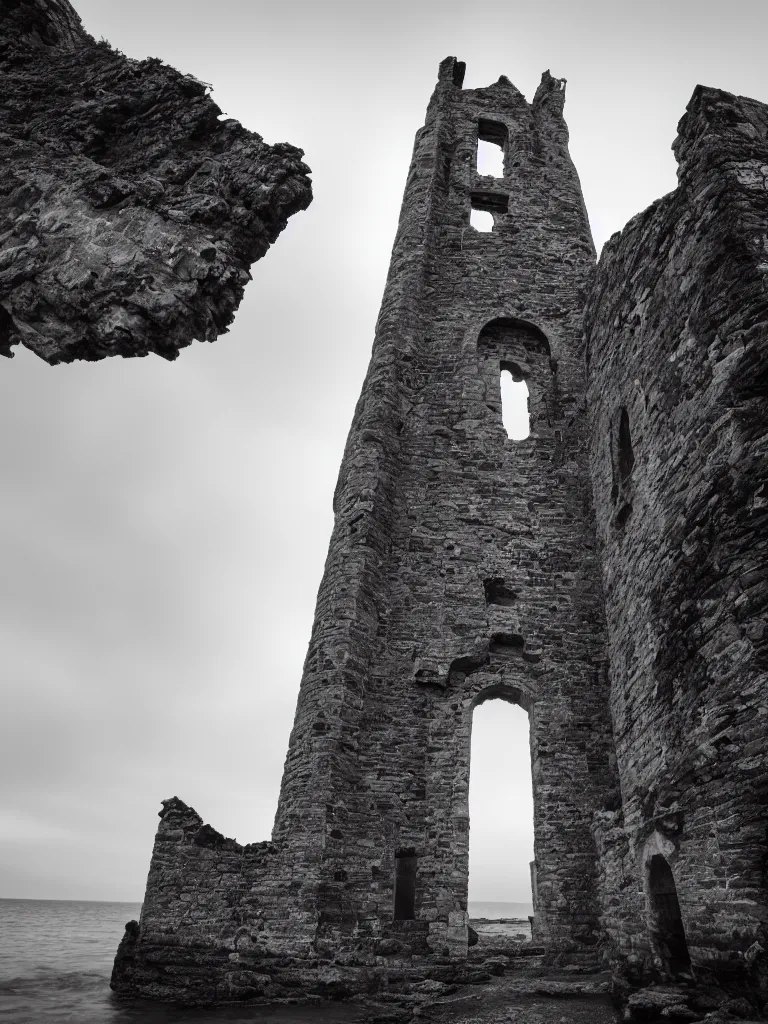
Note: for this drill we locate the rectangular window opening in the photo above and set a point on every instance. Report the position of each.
(481, 220)
(405, 885)
(486, 209)
(497, 591)
(491, 148)
(490, 160)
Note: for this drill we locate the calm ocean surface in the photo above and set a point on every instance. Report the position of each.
(56, 959)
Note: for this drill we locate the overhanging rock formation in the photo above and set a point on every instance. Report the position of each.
(129, 212)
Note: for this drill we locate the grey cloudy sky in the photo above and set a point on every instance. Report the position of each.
(164, 526)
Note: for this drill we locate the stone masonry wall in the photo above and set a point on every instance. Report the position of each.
(677, 351)
(433, 504)
(220, 923)
(129, 213)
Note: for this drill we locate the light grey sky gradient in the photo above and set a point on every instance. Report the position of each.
(164, 526)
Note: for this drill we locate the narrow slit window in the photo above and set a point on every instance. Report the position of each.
(405, 885)
(667, 929)
(514, 403)
(490, 159)
(626, 457)
(481, 220)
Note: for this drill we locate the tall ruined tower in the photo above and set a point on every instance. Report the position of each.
(462, 564)
(462, 567)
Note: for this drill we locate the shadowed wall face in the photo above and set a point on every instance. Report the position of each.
(679, 448)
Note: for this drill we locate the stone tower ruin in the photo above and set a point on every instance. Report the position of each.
(465, 566)
(462, 565)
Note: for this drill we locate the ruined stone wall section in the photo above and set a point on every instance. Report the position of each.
(471, 505)
(194, 879)
(129, 213)
(320, 810)
(220, 921)
(678, 365)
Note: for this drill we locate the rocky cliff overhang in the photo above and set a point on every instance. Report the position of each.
(129, 212)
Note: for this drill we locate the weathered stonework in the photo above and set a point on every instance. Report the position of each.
(129, 213)
(603, 573)
(678, 345)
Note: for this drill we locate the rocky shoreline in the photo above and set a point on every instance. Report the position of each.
(505, 979)
(508, 980)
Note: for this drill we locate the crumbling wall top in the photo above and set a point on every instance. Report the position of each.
(718, 125)
(42, 23)
(549, 96)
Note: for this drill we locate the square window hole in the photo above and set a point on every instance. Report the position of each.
(486, 208)
(481, 220)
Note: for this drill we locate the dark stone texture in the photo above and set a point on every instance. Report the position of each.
(129, 213)
(677, 339)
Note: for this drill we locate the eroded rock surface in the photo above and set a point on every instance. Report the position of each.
(129, 212)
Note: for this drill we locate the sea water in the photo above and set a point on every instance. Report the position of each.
(56, 959)
(497, 911)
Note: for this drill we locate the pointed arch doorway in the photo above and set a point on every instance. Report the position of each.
(666, 922)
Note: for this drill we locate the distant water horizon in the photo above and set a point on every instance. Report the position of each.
(496, 909)
(56, 960)
(476, 908)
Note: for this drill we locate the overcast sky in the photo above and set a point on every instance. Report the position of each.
(164, 525)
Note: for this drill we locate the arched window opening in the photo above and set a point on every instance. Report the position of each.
(625, 455)
(666, 925)
(405, 885)
(501, 815)
(514, 403)
(490, 159)
(481, 220)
